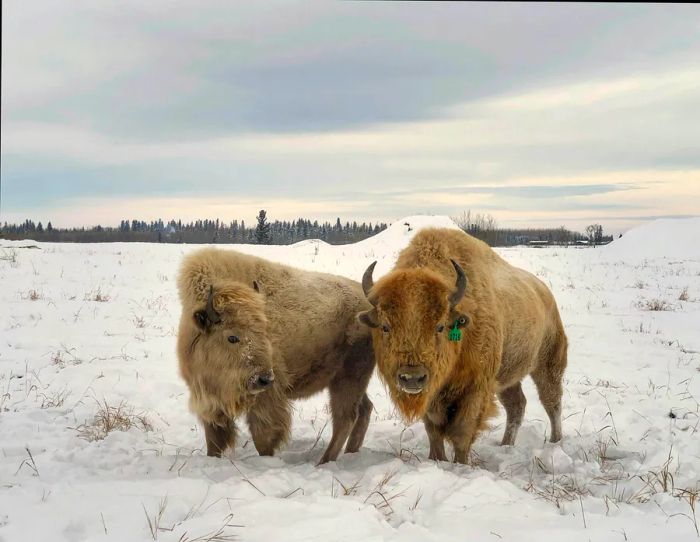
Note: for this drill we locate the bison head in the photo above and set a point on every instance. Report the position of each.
(231, 354)
(413, 312)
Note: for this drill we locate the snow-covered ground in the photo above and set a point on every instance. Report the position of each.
(89, 330)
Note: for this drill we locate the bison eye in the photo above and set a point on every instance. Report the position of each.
(233, 339)
(385, 328)
(440, 328)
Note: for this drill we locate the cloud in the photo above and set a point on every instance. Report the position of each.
(130, 72)
(642, 125)
(367, 108)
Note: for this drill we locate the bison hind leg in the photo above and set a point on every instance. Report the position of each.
(554, 413)
(513, 400)
(344, 411)
(550, 391)
(548, 378)
(351, 409)
(357, 436)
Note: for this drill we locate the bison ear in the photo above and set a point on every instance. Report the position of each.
(201, 320)
(255, 286)
(368, 318)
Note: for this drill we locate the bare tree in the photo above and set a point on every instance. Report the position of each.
(464, 220)
(475, 222)
(594, 233)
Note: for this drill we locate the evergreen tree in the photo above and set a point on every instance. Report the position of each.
(262, 230)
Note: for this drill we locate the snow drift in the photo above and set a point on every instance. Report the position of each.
(663, 238)
(87, 336)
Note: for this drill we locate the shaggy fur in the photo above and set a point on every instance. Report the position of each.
(513, 329)
(298, 326)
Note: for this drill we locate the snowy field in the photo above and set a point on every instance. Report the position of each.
(96, 442)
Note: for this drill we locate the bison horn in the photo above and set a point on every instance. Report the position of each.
(367, 280)
(213, 316)
(460, 287)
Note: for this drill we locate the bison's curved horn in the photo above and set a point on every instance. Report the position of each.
(213, 316)
(367, 280)
(460, 287)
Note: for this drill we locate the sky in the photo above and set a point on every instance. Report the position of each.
(538, 114)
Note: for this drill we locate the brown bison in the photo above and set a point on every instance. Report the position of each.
(254, 335)
(445, 346)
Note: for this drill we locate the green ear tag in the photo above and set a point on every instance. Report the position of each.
(455, 334)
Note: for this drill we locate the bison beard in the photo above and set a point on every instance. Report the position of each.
(412, 406)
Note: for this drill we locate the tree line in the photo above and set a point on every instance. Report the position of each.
(484, 227)
(199, 231)
(481, 226)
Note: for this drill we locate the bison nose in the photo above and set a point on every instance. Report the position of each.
(412, 379)
(261, 382)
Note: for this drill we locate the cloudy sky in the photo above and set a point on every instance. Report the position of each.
(540, 114)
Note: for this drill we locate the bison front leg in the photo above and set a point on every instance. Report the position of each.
(269, 425)
(219, 436)
(436, 436)
(469, 418)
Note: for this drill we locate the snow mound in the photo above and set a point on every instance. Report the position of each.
(403, 230)
(351, 260)
(663, 238)
(397, 236)
(386, 246)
